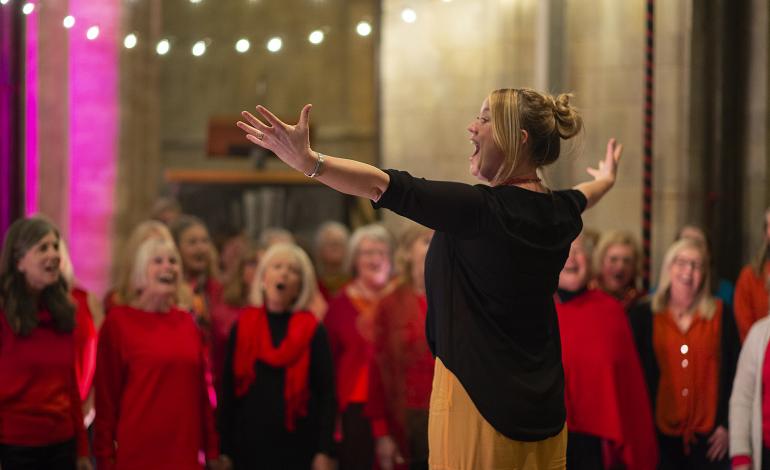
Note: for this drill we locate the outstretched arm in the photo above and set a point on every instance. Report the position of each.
(604, 175)
(291, 143)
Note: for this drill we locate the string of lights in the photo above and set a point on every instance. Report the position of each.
(242, 45)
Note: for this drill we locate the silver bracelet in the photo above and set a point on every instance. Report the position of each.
(318, 165)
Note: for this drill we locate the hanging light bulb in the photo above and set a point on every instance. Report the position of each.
(199, 48)
(408, 15)
(363, 28)
(274, 44)
(316, 37)
(242, 45)
(68, 21)
(28, 8)
(129, 42)
(92, 32)
(4, 2)
(163, 47)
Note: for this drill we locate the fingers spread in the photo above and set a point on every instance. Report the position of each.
(304, 115)
(270, 117)
(254, 121)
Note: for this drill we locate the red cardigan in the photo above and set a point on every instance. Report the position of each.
(605, 391)
(351, 352)
(39, 399)
(152, 406)
(402, 371)
(85, 343)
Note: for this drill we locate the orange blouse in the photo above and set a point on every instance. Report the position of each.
(751, 298)
(689, 374)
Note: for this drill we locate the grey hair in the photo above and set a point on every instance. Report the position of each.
(376, 232)
(144, 254)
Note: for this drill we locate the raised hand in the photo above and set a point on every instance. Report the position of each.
(608, 168)
(291, 143)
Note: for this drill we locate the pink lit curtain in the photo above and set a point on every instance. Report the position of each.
(10, 115)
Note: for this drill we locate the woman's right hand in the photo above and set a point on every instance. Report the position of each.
(608, 168)
(387, 452)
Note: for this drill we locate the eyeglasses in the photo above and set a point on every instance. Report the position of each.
(683, 263)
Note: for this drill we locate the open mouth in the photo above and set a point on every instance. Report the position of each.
(280, 286)
(168, 279)
(571, 269)
(475, 148)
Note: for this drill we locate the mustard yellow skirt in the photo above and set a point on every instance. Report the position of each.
(459, 438)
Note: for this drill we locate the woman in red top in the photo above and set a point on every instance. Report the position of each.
(608, 413)
(616, 266)
(350, 322)
(153, 410)
(402, 370)
(199, 266)
(753, 287)
(688, 346)
(41, 423)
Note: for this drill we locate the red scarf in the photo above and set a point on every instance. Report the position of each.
(253, 343)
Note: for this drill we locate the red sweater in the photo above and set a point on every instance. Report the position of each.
(351, 352)
(402, 370)
(39, 399)
(153, 409)
(605, 392)
(85, 343)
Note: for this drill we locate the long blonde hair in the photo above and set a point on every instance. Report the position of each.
(616, 237)
(704, 302)
(545, 118)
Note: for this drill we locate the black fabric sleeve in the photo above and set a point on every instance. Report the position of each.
(444, 206)
(731, 349)
(640, 319)
(322, 388)
(578, 198)
(226, 411)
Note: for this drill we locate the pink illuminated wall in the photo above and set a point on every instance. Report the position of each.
(94, 115)
(30, 116)
(93, 133)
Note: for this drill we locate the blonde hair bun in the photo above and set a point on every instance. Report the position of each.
(568, 121)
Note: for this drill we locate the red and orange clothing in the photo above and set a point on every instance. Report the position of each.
(751, 298)
(153, 408)
(39, 398)
(402, 370)
(605, 393)
(689, 374)
(350, 324)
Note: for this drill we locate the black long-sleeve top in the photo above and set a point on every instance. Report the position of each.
(252, 427)
(490, 275)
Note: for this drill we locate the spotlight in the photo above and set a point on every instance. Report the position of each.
(130, 41)
(68, 22)
(274, 44)
(199, 48)
(316, 37)
(408, 15)
(242, 45)
(363, 28)
(92, 33)
(163, 47)
(28, 8)
(4, 2)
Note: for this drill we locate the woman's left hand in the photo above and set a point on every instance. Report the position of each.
(322, 461)
(291, 143)
(608, 168)
(718, 444)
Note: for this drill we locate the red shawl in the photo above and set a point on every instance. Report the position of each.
(253, 343)
(605, 392)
